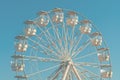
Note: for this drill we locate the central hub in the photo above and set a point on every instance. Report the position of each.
(66, 58)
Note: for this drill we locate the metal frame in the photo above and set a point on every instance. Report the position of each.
(65, 47)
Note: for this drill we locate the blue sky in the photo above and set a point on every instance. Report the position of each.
(104, 13)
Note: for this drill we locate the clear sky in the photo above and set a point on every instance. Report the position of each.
(104, 13)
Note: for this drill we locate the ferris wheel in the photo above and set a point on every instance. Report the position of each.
(61, 44)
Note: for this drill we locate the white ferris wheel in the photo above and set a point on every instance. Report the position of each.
(61, 44)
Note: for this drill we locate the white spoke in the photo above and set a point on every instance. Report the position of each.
(66, 37)
(94, 65)
(73, 29)
(50, 39)
(42, 40)
(72, 40)
(43, 47)
(44, 70)
(81, 48)
(88, 71)
(54, 76)
(85, 56)
(82, 74)
(55, 32)
(51, 45)
(37, 49)
(36, 58)
(77, 42)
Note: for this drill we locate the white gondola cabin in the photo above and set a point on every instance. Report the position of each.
(17, 66)
(85, 27)
(103, 57)
(43, 19)
(72, 19)
(21, 47)
(58, 15)
(96, 39)
(106, 74)
(30, 30)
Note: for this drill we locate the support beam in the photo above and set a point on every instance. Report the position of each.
(76, 72)
(66, 71)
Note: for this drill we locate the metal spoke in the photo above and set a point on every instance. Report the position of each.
(49, 38)
(44, 47)
(76, 44)
(81, 48)
(36, 58)
(66, 36)
(44, 70)
(72, 40)
(94, 65)
(82, 74)
(56, 74)
(56, 33)
(85, 56)
(52, 45)
(88, 71)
